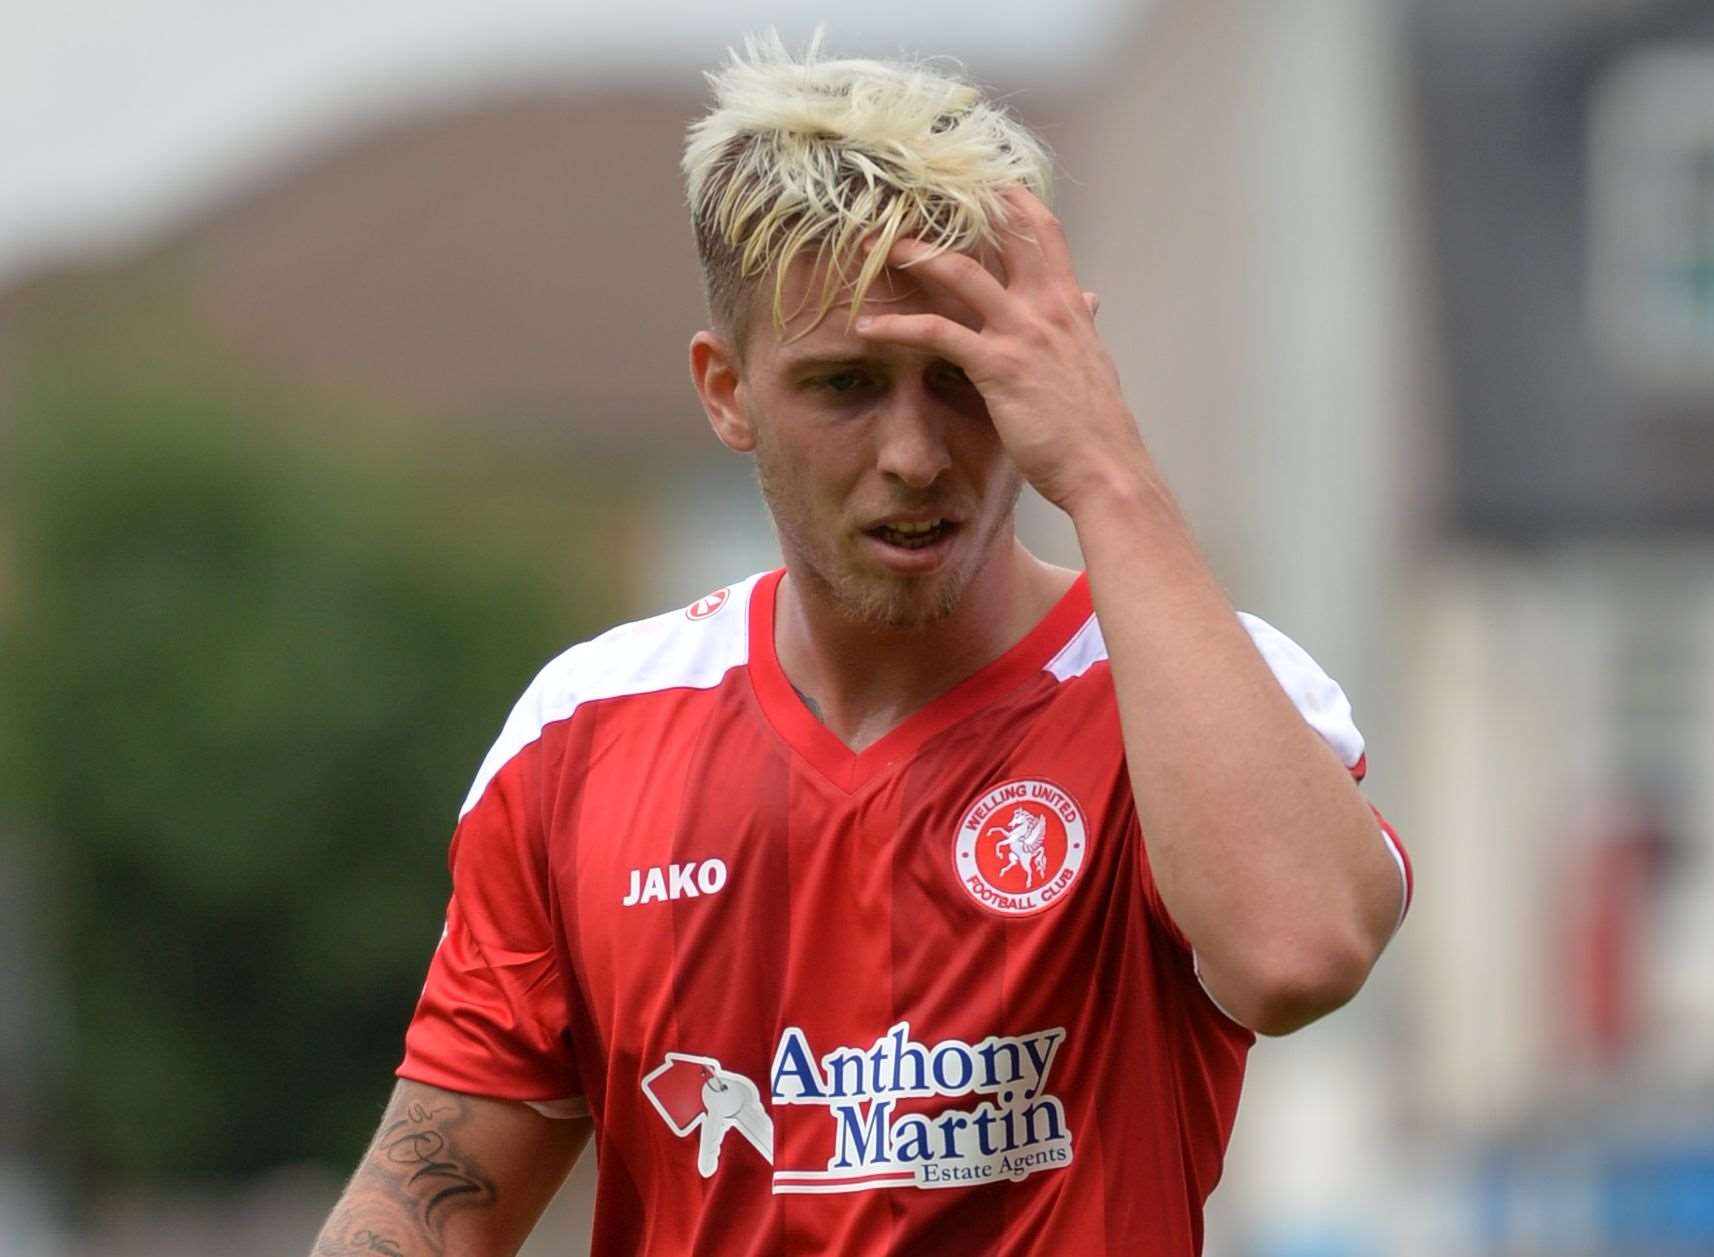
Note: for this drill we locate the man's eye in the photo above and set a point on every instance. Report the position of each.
(841, 382)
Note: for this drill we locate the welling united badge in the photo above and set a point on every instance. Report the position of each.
(1020, 846)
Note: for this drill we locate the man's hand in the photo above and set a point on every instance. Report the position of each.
(451, 1174)
(1266, 857)
(1048, 381)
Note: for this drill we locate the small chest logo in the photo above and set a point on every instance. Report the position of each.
(693, 1092)
(1019, 847)
(708, 604)
(662, 882)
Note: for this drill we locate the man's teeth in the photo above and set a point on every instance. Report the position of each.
(912, 536)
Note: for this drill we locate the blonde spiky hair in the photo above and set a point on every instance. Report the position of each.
(823, 154)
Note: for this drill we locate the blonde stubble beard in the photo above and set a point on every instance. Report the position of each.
(895, 603)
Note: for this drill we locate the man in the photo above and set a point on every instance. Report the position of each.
(921, 896)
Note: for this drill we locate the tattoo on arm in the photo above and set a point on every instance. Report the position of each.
(360, 1241)
(414, 1170)
(435, 1176)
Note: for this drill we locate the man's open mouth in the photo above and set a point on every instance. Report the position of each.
(912, 535)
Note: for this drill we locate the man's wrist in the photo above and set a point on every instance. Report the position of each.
(1130, 528)
(1124, 495)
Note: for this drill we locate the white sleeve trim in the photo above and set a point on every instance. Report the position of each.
(561, 1110)
(1404, 881)
(1316, 695)
(1196, 968)
(1404, 907)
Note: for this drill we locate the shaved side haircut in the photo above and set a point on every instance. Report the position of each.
(811, 157)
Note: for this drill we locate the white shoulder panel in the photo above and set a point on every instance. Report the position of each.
(1085, 649)
(1317, 696)
(691, 648)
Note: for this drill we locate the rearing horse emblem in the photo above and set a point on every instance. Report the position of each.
(1023, 841)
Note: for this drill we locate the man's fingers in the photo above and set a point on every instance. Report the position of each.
(1021, 253)
(931, 333)
(1035, 238)
(957, 274)
(1093, 301)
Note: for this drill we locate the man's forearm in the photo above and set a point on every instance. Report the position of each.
(1265, 853)
(449, 1173)
(413, 1179)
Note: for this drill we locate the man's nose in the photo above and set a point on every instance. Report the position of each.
(911, 436)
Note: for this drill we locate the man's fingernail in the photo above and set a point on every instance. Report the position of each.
(865, 323)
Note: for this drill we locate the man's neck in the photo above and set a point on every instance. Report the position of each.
(863, 680)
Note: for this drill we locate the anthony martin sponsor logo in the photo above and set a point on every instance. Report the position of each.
(1003, 1123)
(900, 1111)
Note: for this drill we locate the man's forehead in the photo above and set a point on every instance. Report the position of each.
(806, 280)
(894, 290)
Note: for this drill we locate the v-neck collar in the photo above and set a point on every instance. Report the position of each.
(849, 770)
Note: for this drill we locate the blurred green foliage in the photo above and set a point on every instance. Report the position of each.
(249, 682)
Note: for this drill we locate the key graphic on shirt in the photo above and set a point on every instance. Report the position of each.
(731, 1100)
(694, 1093)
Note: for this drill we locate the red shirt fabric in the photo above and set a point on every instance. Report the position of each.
(918, 998)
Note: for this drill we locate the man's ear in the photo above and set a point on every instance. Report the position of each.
(714, 369)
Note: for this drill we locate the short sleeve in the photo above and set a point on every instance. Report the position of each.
(1321, 703)
(1317, 696)
(493, 1017)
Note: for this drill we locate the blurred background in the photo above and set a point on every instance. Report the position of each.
(342, 382)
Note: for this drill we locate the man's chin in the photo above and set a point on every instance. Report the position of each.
(900, 602)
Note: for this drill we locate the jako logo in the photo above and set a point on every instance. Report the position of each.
(661, 882)
(707, 605)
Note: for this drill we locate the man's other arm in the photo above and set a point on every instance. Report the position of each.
(451, 1175)
(1265, 853)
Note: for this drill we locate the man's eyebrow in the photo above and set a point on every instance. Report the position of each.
(825, 362)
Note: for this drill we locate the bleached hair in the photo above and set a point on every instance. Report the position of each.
(821, 154)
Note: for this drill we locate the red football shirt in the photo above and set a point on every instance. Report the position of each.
(919, 998)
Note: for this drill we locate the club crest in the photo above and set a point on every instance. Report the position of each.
(1019, 847)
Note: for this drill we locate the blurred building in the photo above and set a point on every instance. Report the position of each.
(1564, 668)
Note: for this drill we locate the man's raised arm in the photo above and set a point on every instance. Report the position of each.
(1266, 856)
(449, 1173)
